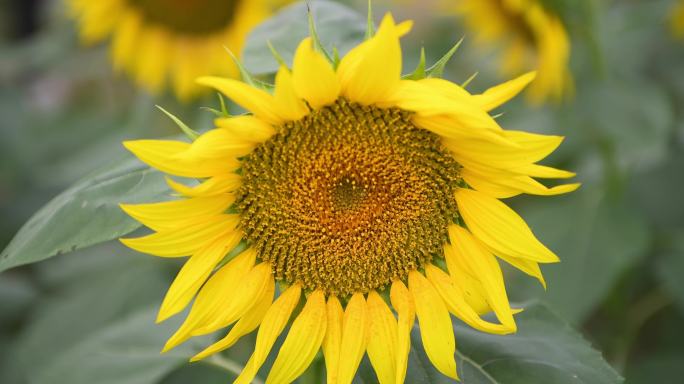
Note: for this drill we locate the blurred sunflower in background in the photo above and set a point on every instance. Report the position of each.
(677, 19)
(158, 42)
(532, 36)
(350, 188)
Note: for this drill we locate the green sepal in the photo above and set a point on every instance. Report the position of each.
(438, 68)
(224, 110)
(336, 58)
(189, 132)
(316, 40)
(370, 26)
(469, 80)
(419, 72)
(276, 55)
(246, 76)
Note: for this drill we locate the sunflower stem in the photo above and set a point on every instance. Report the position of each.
(639, 314)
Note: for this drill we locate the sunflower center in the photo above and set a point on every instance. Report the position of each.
(193, 17)
(347, 194)
(348, 198)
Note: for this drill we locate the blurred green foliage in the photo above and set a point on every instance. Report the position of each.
(620, 237)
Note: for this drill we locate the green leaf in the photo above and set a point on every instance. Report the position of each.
(125, 352)
(658, 192)
(85, 214)
(596, 236)
(198, 373)
(544, 350)
(670, 268)
(17, 293)
(659, 368)
(79, 303)
(337, 25)
(638, 136)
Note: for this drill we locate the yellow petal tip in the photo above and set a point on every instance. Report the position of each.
(206, 80)
(197, 357)
(162, 316)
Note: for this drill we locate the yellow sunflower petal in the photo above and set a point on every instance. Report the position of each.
(246, 127)
(302, 342)
(255, 100)
(333, 338)
(509, 185)
(354, 338)
(382, 339)
(163, 155)
(500, 94)
(426, 100)
(184, 70)
(153, 59)
(500, 228)
(532, 148)
(371, 71)
(436, 329)
(209, 299)
(314, 79)
(218, 143)
(484, 265)
(186, 240)
(96, 18)
(455, 302)
(542, 171)
(249, 322)
(272, 325)
(235, 301)
(403, 303)
(173, 214)
(500, 190)
(465, 281)
(527, 266)
(288, 104)
(123, 41)
(194, 273)
(216, 185)
(450, 127)
(536, 146)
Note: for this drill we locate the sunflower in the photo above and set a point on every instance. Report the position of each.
(532, 37)
(677, 19)
(176, 41)
(351, 188)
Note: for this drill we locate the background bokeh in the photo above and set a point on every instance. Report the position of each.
(63, 114)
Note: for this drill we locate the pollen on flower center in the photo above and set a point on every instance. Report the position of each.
(348, 194)
(348, 198)
(196, 17)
